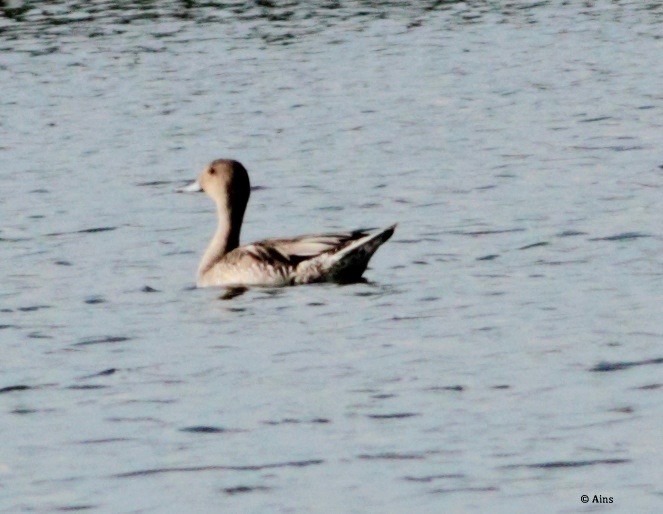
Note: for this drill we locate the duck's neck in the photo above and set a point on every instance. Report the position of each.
(226, 237)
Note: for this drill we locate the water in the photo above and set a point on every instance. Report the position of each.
(505, 353)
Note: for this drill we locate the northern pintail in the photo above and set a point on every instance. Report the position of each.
(333, 257)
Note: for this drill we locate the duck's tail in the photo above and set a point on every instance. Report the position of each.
(365, 245)
(349, 263)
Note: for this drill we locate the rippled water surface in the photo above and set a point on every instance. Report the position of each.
(505, 354)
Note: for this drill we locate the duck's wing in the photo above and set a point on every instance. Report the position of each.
(334, 257)
(295, 250)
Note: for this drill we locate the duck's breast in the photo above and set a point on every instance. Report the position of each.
(242, 267)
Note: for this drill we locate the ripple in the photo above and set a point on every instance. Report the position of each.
(391, 456)
(624, 236)
(75, 508)
(33, 308)
(162, 183)
(454, 388)
(567, 464)
(383, 396)
(592, 120)
(14, 388)
(92, 230)
(395, 415)
(13, 239)
(103, 340)
(534, 245)
(650, 387)
(478, 233)
(615, 366)
(104, 373)
(39, 335)
(294, 421)
(242, 489)
(105, 440)
(22, 412)
(203, 429)
(431, 478)
(561, 263)
(571, 233)
(466, 490)
(193, 469)
(93, 300)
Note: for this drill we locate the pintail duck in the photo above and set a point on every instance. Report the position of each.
(334, 257)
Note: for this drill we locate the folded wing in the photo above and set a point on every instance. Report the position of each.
(336, 257)
(295, 250)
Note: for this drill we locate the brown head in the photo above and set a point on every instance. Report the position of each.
(225, 178)
(226, 181)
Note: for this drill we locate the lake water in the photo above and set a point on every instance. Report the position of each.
(505, 354)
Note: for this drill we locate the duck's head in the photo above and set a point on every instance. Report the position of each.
(225, 181)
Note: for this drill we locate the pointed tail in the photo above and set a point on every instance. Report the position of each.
(349, 264)
(367, 244)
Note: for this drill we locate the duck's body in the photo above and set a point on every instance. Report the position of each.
(339, 257)
(333, 257)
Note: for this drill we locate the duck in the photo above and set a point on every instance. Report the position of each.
(340, 257)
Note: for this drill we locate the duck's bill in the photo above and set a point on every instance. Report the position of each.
(194, 187)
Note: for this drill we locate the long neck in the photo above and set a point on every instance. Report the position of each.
(226, 237)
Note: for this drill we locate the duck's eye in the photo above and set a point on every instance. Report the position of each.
(212, 171)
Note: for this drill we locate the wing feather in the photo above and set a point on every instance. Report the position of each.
(298, 249)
